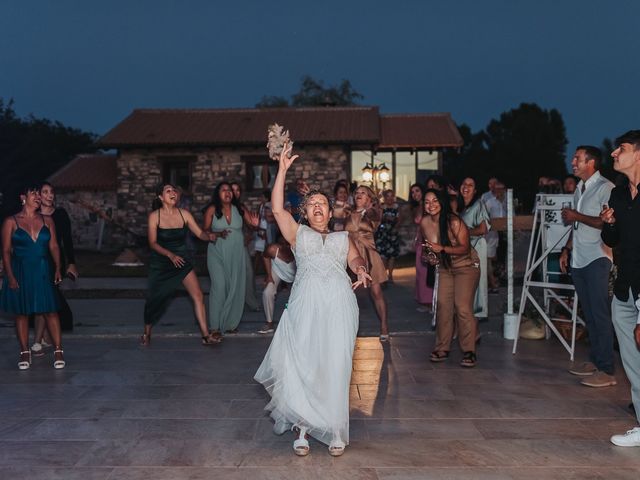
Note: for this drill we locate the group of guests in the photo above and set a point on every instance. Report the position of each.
(359, 233)
(604, 220)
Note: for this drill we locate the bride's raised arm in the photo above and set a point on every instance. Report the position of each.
(287, 224)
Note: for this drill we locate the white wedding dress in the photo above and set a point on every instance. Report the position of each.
(307, 369)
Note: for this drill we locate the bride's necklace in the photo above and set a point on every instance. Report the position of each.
(227, 216)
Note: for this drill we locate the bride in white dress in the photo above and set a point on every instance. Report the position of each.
(307, 369)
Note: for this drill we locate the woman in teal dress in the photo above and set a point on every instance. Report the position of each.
(475, 216)
(169, 266)
(29, 243)
(226, 259)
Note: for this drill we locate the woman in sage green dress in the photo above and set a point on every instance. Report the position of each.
(226, 259)
(475, 216)
(169, 266)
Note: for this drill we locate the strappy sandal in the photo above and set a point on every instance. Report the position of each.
(438, 356)
(468, 360)
(301, 444)
(336, 449)
(145, 339)
(58, 364)
(24, 364)
(211, 339)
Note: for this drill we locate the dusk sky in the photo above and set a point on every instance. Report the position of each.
(89, 63)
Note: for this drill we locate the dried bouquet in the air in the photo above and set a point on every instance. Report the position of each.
(277, 136)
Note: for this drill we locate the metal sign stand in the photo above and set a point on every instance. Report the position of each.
(547, 215)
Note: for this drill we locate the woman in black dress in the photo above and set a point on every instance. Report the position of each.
(169, 266)
(62, 223)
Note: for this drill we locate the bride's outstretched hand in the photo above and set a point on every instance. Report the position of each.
(285, 156)
(364, 279)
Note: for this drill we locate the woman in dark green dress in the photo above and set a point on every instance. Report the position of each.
(28, 243)
(168, 266)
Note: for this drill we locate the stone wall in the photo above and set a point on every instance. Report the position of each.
(139, 171)
(91, 212)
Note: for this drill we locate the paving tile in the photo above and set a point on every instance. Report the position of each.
(69, 473)
(407, 390)
(255, 473)
(500, 429)
(406, 431)
(17, 427)
(430, 473)
(222, 391)
(118, 378)
(37, 453)
(185, 429)
(80, 429)
(167, 452)
(177, 409)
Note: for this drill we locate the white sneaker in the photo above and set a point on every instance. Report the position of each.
(629, 439)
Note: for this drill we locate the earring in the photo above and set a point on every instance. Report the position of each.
(23, 202)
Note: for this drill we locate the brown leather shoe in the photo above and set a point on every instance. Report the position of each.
(599, 379)
(584, 369)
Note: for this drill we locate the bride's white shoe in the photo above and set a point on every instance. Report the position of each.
(336, 448)
(301, 444)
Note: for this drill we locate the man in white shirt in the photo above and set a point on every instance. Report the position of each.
(591, 263)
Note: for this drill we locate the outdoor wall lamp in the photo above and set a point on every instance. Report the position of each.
(374, 174)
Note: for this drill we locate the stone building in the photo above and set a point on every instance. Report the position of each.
(197, 148)
(86, 187)
(109, 196)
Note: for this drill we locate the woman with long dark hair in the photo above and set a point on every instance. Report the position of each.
(227, 259)
(29, 247)
(62, 223)
(169, 266)
(447, 243)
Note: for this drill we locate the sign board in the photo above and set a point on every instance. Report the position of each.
(554, 227)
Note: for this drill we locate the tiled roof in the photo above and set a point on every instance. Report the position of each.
(87, 172)
(419, 130)
(211, 127)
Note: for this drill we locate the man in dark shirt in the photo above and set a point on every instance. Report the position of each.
(622, 230)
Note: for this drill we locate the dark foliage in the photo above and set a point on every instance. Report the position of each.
(523, 144)
(313, 93)
(33, 148)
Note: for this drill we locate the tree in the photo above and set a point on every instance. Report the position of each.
(313, 93)
(523, 144)
(606, 168)
(33, 148)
